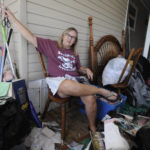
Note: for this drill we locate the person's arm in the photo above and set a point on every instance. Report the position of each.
(86, 71)
(27, 34)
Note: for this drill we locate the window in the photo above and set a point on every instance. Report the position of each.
(132, 16)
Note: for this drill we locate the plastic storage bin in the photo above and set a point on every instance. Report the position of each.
(103, 107)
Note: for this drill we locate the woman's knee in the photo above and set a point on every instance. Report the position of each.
(66, 84)
(67, 87)
(88, 100)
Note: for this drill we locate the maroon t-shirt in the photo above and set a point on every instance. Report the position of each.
(60, 61)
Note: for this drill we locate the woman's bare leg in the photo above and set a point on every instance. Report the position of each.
(86, 92)
(91, 109)
(73, 88)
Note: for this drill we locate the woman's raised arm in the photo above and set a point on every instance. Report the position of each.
(25, 32)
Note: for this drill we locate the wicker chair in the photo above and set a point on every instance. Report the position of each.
(108, 47)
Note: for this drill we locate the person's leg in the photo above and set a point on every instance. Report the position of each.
(91, 109)
(86, 92)
(73, 88)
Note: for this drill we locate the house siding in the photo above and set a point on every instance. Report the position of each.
(49, 18)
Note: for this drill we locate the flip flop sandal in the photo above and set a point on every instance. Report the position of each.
(118, 99)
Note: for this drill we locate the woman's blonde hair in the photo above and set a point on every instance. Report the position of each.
(74, 46)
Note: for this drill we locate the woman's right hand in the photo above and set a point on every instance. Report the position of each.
(25, 32)
(6, 12)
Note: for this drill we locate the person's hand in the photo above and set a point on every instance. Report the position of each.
(6, 12)
(89, 74)
(86, 71)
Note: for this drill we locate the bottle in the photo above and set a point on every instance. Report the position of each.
(97, 140)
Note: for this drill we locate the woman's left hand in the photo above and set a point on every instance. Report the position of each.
(87, 71)
(89, 74)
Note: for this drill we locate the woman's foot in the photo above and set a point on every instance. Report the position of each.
(93, 129)
(108, 96)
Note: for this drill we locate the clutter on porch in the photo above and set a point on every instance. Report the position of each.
(127, 123)
(121, 125)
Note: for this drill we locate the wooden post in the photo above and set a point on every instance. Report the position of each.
(91, 48)
(123, 43)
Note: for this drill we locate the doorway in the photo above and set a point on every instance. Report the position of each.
(137, 24)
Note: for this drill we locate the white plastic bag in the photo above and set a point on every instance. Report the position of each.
(113, 70)
(42, 139)
(113, 139)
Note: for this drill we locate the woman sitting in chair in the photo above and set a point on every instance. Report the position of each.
(64, 67)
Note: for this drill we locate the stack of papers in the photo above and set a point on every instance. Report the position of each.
(5, 90)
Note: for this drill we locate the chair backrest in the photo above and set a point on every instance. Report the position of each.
(126, 65)
(134, 57)
(107, 47)
(42, 65)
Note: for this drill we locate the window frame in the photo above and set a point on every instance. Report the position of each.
(134, 18)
